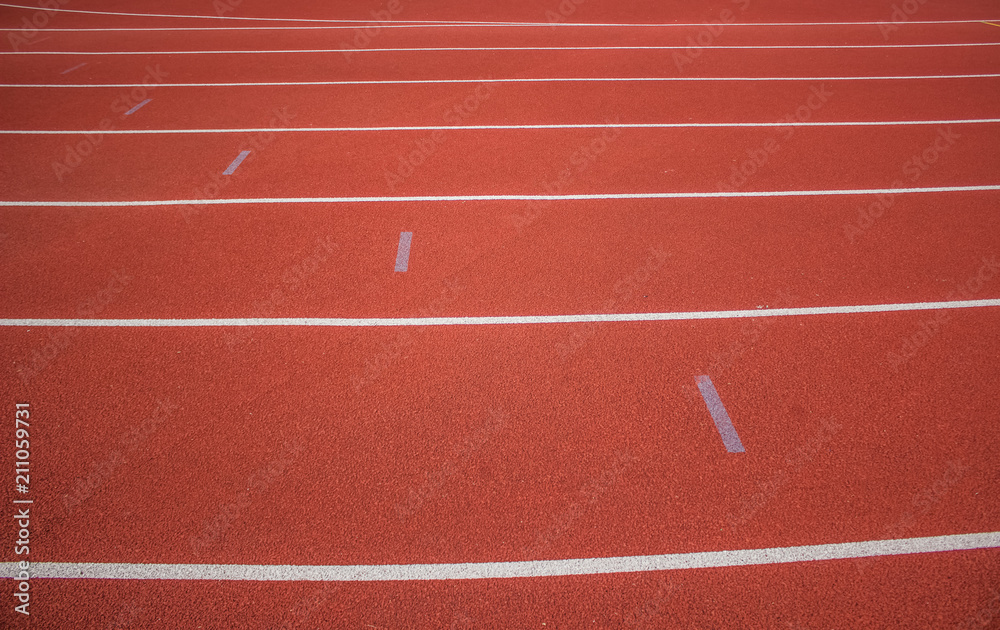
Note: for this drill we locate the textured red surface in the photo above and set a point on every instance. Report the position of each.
(330, 446)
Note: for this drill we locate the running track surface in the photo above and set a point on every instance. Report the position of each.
(411, 328)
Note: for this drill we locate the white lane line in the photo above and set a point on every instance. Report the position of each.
(76, 67)
(502, 320)
(486, 49)
(483, 81)
(353, 23)
(795, 123)
(436, 198)
(488, 25)
(506, 570)
(236, 163)
(403, 251)
(136, 108)
(435, 23)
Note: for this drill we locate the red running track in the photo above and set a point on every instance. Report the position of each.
(498, 258)
(513, 64)
(523, 162)
(480, 443)
(507, 104)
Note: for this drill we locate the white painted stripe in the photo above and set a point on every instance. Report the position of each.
(136, 108)
(236, 163)
(483, 49)
(507, 570)
(500, 320)
(488, 25)
(353, 23)
(483, 81)
(434, 198)
(849, 123)
(436, 23)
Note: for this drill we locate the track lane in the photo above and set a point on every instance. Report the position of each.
(357, 44)
(402, 105)
(509, 64)
(455, 450)
(931, 590)
(428, 65)
(248, 15)
(499, 258)
(579, 161)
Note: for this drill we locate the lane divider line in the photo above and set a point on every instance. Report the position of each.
(435, 198)
(723, 423)
(236, 163)
(520, 80)
(501, 320)
(439, 24)
(459, 23)
(403, 251)
(136, 108)
(352, 23)
(991, 23)
(76, 67)
(796, 123)
(488, 49)
(507, 570)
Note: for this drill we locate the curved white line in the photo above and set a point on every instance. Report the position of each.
(481, 81)
(132, 132)
(314, 28)
(484, 49)
(437, 23)
(435, 198)
(506, 570)
(254, 19)
(510, 320)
